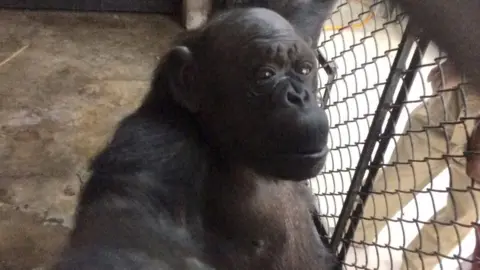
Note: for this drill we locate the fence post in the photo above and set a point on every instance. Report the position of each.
(399, 64)
(383, 143)
(195, 12)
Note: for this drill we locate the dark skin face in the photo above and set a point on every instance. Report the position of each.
(261, 108)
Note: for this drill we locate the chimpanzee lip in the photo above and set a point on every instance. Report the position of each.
(294, 165)
(313, 154)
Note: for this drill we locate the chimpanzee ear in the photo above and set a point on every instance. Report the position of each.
(181, 70)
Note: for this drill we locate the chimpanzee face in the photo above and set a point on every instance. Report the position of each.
(256, 96)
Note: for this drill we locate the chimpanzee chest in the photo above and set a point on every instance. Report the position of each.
(267, 224)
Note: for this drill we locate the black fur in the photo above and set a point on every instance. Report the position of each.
(211, 167)
(143, 198)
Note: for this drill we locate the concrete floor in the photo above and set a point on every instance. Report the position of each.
(65, 81)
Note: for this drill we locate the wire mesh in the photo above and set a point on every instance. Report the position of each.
(397, 141)
(395, 192)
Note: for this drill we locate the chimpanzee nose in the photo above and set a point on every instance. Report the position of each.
(297, 96)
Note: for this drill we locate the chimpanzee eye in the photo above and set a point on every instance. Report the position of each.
(265, 73)
(304, 68)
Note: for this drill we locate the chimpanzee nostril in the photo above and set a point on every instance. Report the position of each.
(294, 98)
(297, 97)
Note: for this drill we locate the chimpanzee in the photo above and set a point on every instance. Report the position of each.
(209, 171)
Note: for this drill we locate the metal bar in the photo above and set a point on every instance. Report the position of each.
(320, 229)
(383, 144)
(331, 70)
(405, 47)
(195, 13)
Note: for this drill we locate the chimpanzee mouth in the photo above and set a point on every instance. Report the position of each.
(309, 154)
(296, 166)
(297, 156)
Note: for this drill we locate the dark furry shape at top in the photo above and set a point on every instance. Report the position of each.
(307, 16)
(209, 171)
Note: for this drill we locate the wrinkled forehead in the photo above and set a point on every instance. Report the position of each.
(260, 40)
(255, 35)
(276, 49)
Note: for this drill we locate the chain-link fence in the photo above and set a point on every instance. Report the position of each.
(394, 193)
(400, 121)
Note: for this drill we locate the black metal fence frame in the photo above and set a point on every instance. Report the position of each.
(358, 193)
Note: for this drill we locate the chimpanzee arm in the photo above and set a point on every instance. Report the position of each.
(144, 191)
(127, 233)
(453, 26)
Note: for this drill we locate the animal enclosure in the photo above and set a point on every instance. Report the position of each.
(396, 140)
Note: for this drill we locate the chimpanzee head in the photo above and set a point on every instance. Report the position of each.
(249, 80)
